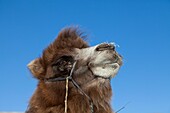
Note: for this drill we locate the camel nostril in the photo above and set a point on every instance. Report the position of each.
(105, 46)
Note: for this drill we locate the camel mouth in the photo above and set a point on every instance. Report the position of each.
(107, 71)
(102, 78)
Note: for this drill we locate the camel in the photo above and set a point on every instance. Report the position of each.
(74, 77)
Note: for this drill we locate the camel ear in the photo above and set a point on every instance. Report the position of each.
(36, 68)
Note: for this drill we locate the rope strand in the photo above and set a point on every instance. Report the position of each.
(66, 96)
(122, 107)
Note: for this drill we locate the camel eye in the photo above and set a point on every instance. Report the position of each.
(63, 64)
(60, 65)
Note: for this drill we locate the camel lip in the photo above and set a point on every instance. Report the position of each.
(114, 65)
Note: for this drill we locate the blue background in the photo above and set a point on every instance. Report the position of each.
(141, 28)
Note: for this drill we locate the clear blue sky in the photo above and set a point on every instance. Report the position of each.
(141, 28)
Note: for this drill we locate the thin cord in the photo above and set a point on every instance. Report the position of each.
(66, 96)
(122, 107)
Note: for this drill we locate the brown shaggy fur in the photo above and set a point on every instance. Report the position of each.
(49, 97)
